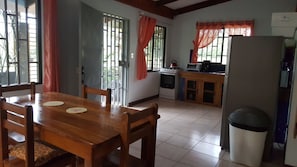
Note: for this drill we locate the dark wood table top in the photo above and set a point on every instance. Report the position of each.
(89, 135)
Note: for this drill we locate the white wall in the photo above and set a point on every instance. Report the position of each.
(137, 89)
(68, 32)
(180, 33)
(184, 26)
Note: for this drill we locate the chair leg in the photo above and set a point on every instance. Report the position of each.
(148, 148)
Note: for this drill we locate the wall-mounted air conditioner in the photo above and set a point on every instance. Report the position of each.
(284, 24)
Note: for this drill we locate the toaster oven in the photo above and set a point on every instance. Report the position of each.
(194, 66)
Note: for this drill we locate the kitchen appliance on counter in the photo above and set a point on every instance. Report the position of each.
(194, 67)
(206, 66)
(173, 64)
(199, 67)
(169, 83)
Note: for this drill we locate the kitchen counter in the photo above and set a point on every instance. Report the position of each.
(207, 76)
(203, 87)
(215, 73)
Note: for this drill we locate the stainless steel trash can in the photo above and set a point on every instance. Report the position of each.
(247, 132)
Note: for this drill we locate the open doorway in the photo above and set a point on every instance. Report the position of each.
(104, 42)
(114, 62)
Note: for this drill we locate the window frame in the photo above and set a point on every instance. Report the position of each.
(151, 45)
(216, 51)
(18, 80)
(220, 49)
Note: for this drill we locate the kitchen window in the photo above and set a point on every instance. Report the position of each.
(19, 42)
(212, 39)
(155, 51)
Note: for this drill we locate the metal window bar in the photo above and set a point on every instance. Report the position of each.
(156, 48)
(162, 46)
(159, 43)
(213, 52)
(16, 42)
(222, 49)
(148, 55)
(113, 45)
(155, 51)
(33, 50)
(28, 52)
(6, 42)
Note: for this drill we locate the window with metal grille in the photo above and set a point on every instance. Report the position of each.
(216, 51)
(19, 42)
(155, 50)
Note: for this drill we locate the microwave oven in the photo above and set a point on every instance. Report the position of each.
(194, 66)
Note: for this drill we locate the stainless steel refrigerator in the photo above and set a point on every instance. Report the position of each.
(252, 79)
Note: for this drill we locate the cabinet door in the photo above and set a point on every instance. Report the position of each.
(194, 91)
(191, 90)
(200, 91)
(202, 88)
(209, 92)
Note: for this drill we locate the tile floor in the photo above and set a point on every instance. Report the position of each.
(188, 135)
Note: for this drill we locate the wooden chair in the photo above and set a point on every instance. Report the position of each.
(28, 86)
(14, 137)
(30, 153)
(136, 125)
(94, 91)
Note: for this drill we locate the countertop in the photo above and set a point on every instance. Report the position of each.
(214, 73)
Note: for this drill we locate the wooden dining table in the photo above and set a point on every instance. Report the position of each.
(89, 135)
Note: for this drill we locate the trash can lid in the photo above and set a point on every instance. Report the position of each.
(249, 118)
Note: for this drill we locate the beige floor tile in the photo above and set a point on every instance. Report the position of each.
(209, 149)
(181, 165)
(170, 151)
(164, 162)
(197, 159)
(211, 123)
(163, 135)
(171, 128)
(195, 134)
(188, 135)
(212, 138)
(183, 142)
(224, 163)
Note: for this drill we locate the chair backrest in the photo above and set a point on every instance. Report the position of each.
(139, 124)
(28, 86)
(94, 91)
(16, 118)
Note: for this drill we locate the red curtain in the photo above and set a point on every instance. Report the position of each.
(207, 32)
(240, 27)
(145, 33)
(51, 62)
